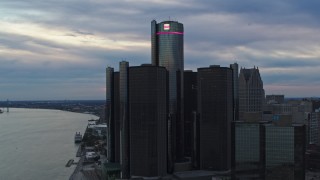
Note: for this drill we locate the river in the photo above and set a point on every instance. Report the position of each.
(37, 143)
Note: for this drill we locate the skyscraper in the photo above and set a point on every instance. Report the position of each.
(251, 92)
(248, 150)
(215, 106)
(148, 120)
(269, 150)
(190, 108)
(116, 111)
(275, 99)
(235, 69)
(314, 127)
(167, 51)
(113, 114)
(124, 122)
(109, 112)
(284, 150)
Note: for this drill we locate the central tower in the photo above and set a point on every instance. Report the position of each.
(167, 51)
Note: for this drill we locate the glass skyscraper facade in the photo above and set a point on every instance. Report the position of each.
(190, 108)
(167, 51)
(215, 106)
(284, 151)
(235, 69)
(268, 151)
(279, 146)
(116, 116)
(109, 112)
(248, 150)
(113, 114)
(251, 92)
(124, 124)
(314, 126)
(148, 120)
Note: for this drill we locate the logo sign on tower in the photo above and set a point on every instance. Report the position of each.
(166, 26)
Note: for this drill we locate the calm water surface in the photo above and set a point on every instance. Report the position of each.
(37, 143)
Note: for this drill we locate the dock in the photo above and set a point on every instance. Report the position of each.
(69, 163)
(79, 151)
(87, 169)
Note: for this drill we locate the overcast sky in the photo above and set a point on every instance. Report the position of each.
(59, 49)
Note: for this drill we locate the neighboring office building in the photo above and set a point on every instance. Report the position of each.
(282, 108)
(271, 151)
(148, 120)
(116, 110)
(190, 108)
(300, 112)
(298, 109)
(251, 92)
(112, 168)
(315, 104)
(313, 158)
(249, 161)
(138, 134)
(277, 99)
(284, 151)
(215, 107)
(313, 151)
(235, 69)
(314, 128)
(109, 112)
(167, 51)
(312, 103)
(124, 119)
(113, 114)
(99, 130)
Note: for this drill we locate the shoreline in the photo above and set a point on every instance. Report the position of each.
(88, 167)
(93, 107)
(40, 108)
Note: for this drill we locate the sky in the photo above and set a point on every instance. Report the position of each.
(58, 49)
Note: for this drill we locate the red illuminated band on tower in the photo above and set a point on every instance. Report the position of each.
(160, 33)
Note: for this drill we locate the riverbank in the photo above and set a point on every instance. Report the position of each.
(92, 153)
(94, 107)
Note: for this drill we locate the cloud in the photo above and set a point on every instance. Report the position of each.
(56, 42)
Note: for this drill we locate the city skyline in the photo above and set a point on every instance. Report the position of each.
(59, 50)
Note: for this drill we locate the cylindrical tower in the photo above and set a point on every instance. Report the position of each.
(109, 112)
(215, 107)
(147, 120)
(235, 69)
(124, 124)
(154, 42)
(167, 51)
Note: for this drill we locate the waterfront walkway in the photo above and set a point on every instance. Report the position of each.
(87, 169)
